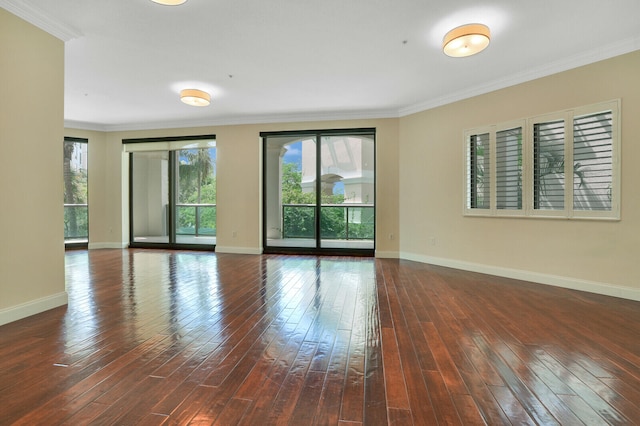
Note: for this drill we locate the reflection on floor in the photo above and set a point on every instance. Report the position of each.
(180, 239)
(310, 242)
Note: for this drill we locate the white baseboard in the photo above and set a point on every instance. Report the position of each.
(536, 277)
(387, 254)
(93, 246)
(32, 307)
(238, 250)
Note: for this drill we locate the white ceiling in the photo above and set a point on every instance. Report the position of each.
(293, 60)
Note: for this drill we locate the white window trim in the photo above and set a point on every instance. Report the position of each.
(527, 125)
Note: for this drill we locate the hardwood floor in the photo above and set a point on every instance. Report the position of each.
(161, 337)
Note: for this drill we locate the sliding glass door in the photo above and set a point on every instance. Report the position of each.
(319, 191)
(172, 193)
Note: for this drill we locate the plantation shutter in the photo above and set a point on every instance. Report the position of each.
(593, 161)
(548, 165)
(509, 169)
(479, 172)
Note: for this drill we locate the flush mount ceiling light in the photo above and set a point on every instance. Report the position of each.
(169, 2)
(466, 40)
(195, 97)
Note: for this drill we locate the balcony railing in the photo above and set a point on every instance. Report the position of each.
(337, 221)
(76, 222)
(196, 219)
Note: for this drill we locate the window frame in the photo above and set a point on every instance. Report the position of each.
(528, 166)
(70, 243)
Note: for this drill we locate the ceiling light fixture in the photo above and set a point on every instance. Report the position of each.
(466, 40)
(195, 97)
(169, 2)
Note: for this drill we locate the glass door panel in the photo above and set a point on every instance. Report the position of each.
(150, 197)
(196, 199)
(347, 211)
(290, 192)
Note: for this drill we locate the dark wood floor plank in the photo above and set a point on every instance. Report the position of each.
(191, 405)
(445, 410)
(517, 386)
(419, 401)
(352, 409)
(328, 411)
(537, 376)
(232, 412)
(512, 407)
(307, 404)
(597, 395)
(446, 366)
(394, 375)
(489, 409)
(171, 337)
(375, 395)
(468, 410)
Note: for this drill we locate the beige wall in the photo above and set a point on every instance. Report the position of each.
(31, 187)
(239, 182)
(598, 256)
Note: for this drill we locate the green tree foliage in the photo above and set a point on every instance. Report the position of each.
(197, 185)
(75, 192)
(197, 177)
(292, 188)
(299, 222)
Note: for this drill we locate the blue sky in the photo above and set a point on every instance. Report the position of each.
(294, 154)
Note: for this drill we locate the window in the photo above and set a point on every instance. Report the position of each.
(479, 196)
(76, 207)
(548, 165)
(509, 169)
(593, 162)
(558, 165)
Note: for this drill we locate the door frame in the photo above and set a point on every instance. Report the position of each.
(164, 145)
(318, 134)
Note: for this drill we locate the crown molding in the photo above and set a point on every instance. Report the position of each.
(575, 61)
(38, 18)
(235, 120)
(81, 125)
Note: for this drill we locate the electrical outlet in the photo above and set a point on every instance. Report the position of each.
(234, 234)
(391, 236)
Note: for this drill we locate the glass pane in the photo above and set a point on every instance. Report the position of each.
(196, 206)
(76, 213)
(290, 195)
(347, 191)
(150, 195)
